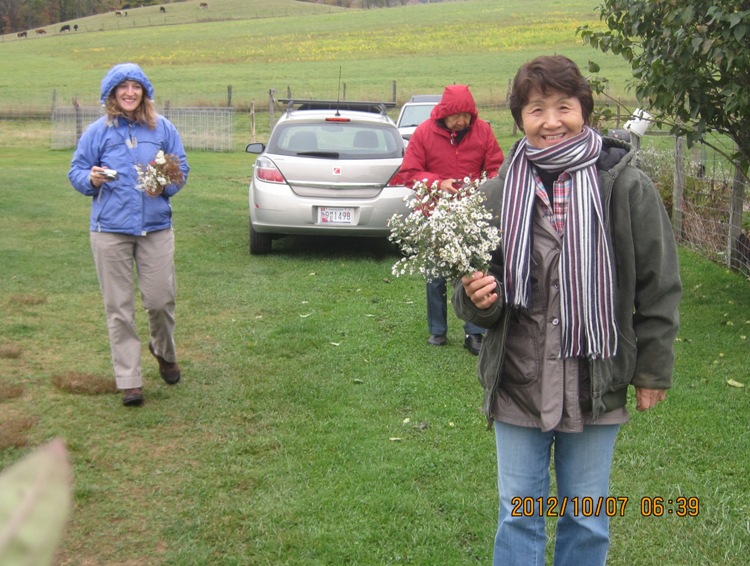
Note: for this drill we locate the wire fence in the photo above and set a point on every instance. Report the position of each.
(705, 194)
(206, 128)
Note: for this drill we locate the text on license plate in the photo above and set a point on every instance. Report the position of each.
(335, 215)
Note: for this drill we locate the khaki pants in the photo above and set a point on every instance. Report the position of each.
(153, 255)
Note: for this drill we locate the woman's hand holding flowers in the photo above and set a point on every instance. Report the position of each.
(482, 289)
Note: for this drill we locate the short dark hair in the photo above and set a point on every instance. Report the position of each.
(546, 74)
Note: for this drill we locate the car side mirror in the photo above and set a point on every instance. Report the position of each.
(255, 147)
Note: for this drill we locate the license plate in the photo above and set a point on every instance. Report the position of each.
(335, 215)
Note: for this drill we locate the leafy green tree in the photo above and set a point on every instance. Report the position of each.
(690, 61)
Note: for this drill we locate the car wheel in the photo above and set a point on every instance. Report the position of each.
(260, 244)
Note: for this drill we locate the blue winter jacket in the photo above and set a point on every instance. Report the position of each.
(118, 206)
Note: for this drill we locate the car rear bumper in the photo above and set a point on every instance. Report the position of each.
(277, 210)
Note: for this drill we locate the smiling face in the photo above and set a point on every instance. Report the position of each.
(128, 95)
(548, 119)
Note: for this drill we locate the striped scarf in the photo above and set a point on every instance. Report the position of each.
(585, 271)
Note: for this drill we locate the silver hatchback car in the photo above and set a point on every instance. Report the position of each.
(330, 168)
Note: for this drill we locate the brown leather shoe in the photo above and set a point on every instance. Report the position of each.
(170, 371)
(132, 397)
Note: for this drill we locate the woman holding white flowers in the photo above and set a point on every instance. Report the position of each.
(453, 145)
(131, 224)
(580, 302)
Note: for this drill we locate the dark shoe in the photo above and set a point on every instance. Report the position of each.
(436, 340)
(170, 371)
(132, 397)
(473, 343)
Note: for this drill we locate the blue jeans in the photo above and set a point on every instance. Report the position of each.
(437, 310)
(582, 465)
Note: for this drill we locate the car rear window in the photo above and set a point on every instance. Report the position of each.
(415, 115)
(345, 139)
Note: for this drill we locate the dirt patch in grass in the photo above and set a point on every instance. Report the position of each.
(83, 383)
(29, 299)
(10, 351)
(10, 390)
(14, 430)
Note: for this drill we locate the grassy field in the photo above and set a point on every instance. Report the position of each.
(192, 56)
(313, 426)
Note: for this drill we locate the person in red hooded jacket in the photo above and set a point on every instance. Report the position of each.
(452, 145)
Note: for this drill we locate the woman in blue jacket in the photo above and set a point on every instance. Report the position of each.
(129, 226)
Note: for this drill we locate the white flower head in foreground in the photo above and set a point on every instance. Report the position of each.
(445, 235)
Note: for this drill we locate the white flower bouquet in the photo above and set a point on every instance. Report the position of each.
(161, 171)
(445, 235)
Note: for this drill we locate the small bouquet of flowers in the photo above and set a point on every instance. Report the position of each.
(445, 235)
(161, 171)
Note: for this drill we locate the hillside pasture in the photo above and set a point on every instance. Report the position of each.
(264, 44)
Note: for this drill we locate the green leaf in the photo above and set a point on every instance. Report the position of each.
(35, 502)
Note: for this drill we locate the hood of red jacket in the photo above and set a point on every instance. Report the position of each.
(456, 99)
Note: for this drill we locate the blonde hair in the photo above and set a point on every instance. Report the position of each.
(145, 113)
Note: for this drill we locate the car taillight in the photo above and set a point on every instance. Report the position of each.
(338, 119)
(265, 170)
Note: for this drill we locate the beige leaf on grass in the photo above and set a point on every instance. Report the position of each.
(335, 343)
(305, 315)
(733, 383)
(394, 439)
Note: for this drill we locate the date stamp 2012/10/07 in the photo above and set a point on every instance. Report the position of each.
(599, 506)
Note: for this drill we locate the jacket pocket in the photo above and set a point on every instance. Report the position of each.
(521, 365)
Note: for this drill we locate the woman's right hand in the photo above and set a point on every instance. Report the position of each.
(448, 185)
(97, 177)
(481, 289)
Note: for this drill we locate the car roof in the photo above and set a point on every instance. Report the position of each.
(356, 105)
(425, 98)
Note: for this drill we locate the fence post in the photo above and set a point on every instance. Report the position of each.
(252, 122)
(79, 122)
(508, 92)
(229, 96)
(271, 117)
(735, 219)
(394, 91)
(678, 191)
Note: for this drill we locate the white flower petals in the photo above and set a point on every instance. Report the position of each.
(446, 235)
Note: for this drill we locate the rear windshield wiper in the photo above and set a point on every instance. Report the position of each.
(329, 154)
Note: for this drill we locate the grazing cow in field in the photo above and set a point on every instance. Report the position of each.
(22, 34)
(203, 5)
(66, 27)
(40, 31)
(162, 9)
(120, 13)
(75, 27)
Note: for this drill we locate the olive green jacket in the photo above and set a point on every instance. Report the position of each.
(647, 287)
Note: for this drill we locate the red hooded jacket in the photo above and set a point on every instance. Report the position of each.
(435, 153)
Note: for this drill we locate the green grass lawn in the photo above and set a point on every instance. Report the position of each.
(314, 425)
